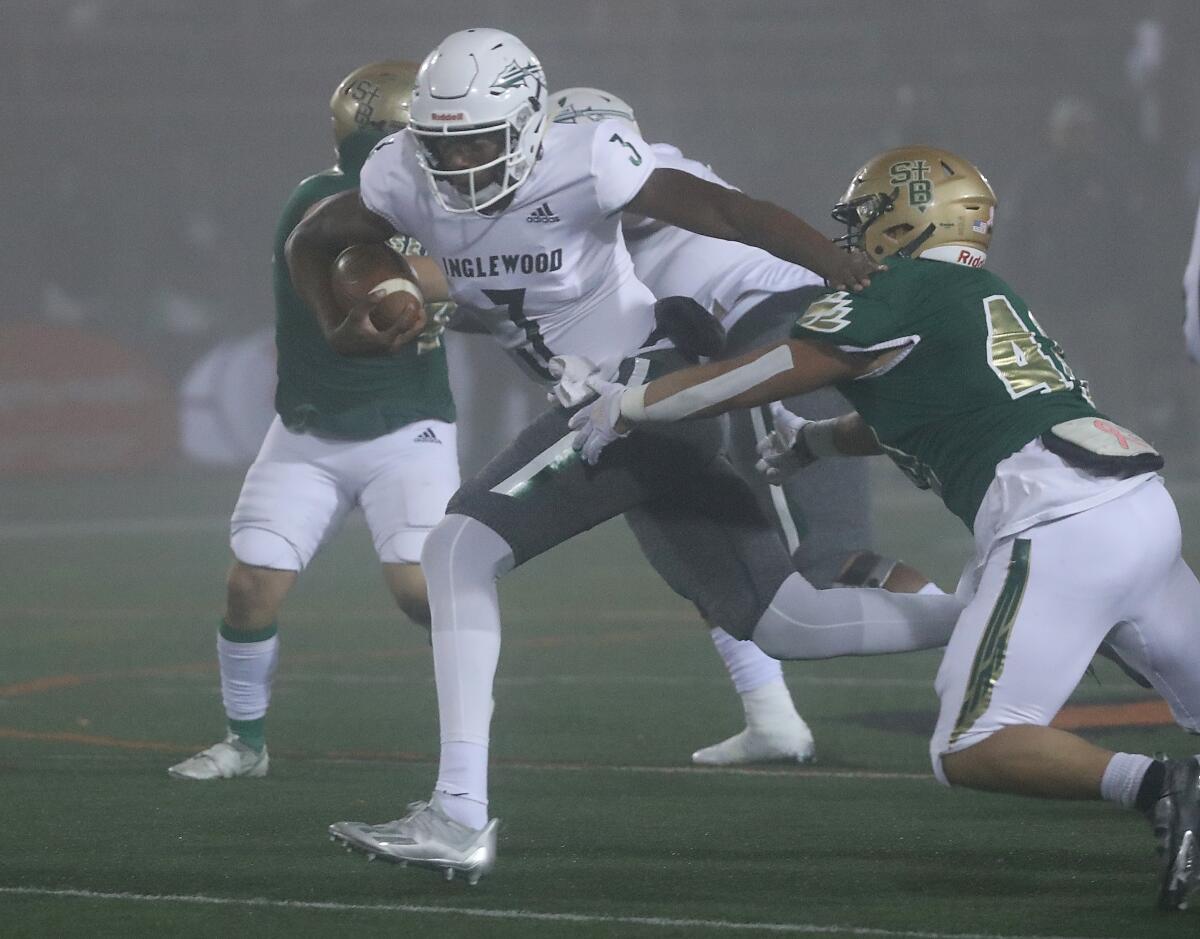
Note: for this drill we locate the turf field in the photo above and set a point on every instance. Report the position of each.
(109, 598)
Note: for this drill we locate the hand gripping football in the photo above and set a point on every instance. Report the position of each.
(371, 272)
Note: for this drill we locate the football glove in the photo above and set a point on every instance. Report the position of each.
(575, 373)
(597, 423)
(784, 451)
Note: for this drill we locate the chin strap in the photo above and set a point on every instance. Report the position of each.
(915, 245)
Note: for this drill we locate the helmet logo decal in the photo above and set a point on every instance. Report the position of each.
(915, 175)
(365, 92)
(515, 75)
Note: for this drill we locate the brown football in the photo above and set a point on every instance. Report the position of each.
(359, 269)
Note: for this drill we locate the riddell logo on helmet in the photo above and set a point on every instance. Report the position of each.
(449, 116)
(970, 258)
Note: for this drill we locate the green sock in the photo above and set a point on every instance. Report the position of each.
(252, 733)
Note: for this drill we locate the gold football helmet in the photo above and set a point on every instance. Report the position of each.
(375, 98)
(919, 201)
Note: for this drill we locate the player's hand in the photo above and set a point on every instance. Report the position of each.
(783, 452)
(599, 423)
(358, 334)
(575, 374)
(854, 271)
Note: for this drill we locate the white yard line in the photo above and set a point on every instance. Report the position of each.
(811, 929)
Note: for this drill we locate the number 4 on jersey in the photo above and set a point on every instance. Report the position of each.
(1017, 357)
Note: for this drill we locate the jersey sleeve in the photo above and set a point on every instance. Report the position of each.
(850, 321)
(387, 180)
(621, 164)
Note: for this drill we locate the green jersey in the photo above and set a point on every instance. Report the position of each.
(977, 378)
(332, 395)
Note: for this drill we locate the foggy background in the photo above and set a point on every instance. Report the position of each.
(150, 145)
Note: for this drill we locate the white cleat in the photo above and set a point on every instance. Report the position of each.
(228, 759)
(425, 837)
(792, 743)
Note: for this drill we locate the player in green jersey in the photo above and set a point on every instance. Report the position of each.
(377, 433)
(1077, 541)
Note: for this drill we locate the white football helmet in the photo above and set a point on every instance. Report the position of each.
(573, 105)
(479, 81)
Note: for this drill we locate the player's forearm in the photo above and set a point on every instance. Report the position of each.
(853, 437)
(785, 235)
(310, 260)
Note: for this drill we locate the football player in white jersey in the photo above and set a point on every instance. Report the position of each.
(524, 219)
(349, 433)
(822, 515)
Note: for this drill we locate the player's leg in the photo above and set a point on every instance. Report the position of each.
(533, 496)
(288, 505)
(823, 516)
(1159, 641)
(530, 497)
(691, 548)
(411, 475)
(1044, 603)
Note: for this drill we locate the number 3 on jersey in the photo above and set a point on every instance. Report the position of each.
(1016, 354)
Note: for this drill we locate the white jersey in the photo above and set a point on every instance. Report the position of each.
(727, 278)
(550, 274)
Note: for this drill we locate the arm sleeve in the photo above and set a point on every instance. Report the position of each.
(1191, 296)
(621, 164)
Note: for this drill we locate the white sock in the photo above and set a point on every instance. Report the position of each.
(246, 672)
(462, 559)
(932, 590)
(462, 777)
(1123, 777)
(769, 705)
(748, 666)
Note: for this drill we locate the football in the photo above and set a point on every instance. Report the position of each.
(357, 273)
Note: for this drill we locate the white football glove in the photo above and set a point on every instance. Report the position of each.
(574, 374)
(597, 423)
(784, 451)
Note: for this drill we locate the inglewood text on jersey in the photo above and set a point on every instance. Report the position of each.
(497, 265)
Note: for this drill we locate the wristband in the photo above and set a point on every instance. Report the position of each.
(633, 404)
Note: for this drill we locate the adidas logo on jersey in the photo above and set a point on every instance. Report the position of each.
(426, 436)
(543, 213)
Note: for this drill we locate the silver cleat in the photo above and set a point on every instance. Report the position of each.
(228, 759)
(1176, 820)
(425, 837)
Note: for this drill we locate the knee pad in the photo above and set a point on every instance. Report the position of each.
(865, 569)
(258, 547)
